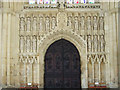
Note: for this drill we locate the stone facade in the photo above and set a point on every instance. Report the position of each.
(26, 32)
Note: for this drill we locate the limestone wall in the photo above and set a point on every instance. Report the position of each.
(10, 15)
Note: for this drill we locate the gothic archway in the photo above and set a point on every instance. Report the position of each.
(79, 43)
(62, 66)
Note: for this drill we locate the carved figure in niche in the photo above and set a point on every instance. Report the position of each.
(28, 44)
(82, 23)
(21, 44)
(89, 43)
(95, 43)
(53, 22)
(89, 23)
(34, 23)
(69, 21)
(28, 24)
(76, 23)
(34, 44)
(102, 44)
(22, 24)
(95, 23)
(101, 23)
(47, 26)
(41, 23)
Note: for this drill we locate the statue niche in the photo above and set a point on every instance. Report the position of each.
(47, 24)
(53, 22)
(101, 23)
(82, 23)
(22, 24)
(21, 44)
(76, 23)
(88, 23)
(34, 24)
(41, 23)
(34, 44)
(95, 23)
(102, 43)
(28, 24)
(69, 22)
(28, 44)
(89, 44)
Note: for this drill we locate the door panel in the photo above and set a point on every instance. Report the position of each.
(62, 66)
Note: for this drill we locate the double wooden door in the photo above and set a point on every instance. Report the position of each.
(62, 66)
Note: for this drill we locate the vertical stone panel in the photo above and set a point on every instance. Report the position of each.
(8, 49)
(1, 23)
(4, 43)
(115, 51)
(107, 47)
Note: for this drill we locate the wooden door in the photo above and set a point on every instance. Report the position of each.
(62, 66)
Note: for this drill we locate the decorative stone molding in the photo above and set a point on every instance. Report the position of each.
(53, 6)
(90, 41)
(83, 6)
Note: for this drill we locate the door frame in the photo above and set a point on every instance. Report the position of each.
(79, 43)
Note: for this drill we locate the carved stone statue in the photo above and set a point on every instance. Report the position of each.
(76, 23)
(89, 43)
(69, 21)
(47, 26)
(41, 23)
(95, 46)
(22, 44)
(53, 22)
(82, 23)
(28, 44)
(89, 23)
(101, 23)
(34, 44)
(22, 24)
(34, 23)
(95, 23)
(28, 24)
(102, 44)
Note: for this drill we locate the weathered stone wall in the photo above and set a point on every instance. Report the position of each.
(10, 16)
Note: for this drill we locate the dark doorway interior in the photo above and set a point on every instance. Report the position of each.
(62, 66)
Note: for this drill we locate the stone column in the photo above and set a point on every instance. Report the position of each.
(24, 73)
(8, 49)
(114, 62)
(99, 71)
(93, 72)
(29, 72)
(1, 47)
(107, 46)
(111, 50)
(4, 43)
(38, 71)
(41, 72)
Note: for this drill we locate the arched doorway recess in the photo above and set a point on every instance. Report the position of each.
(62, 66)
